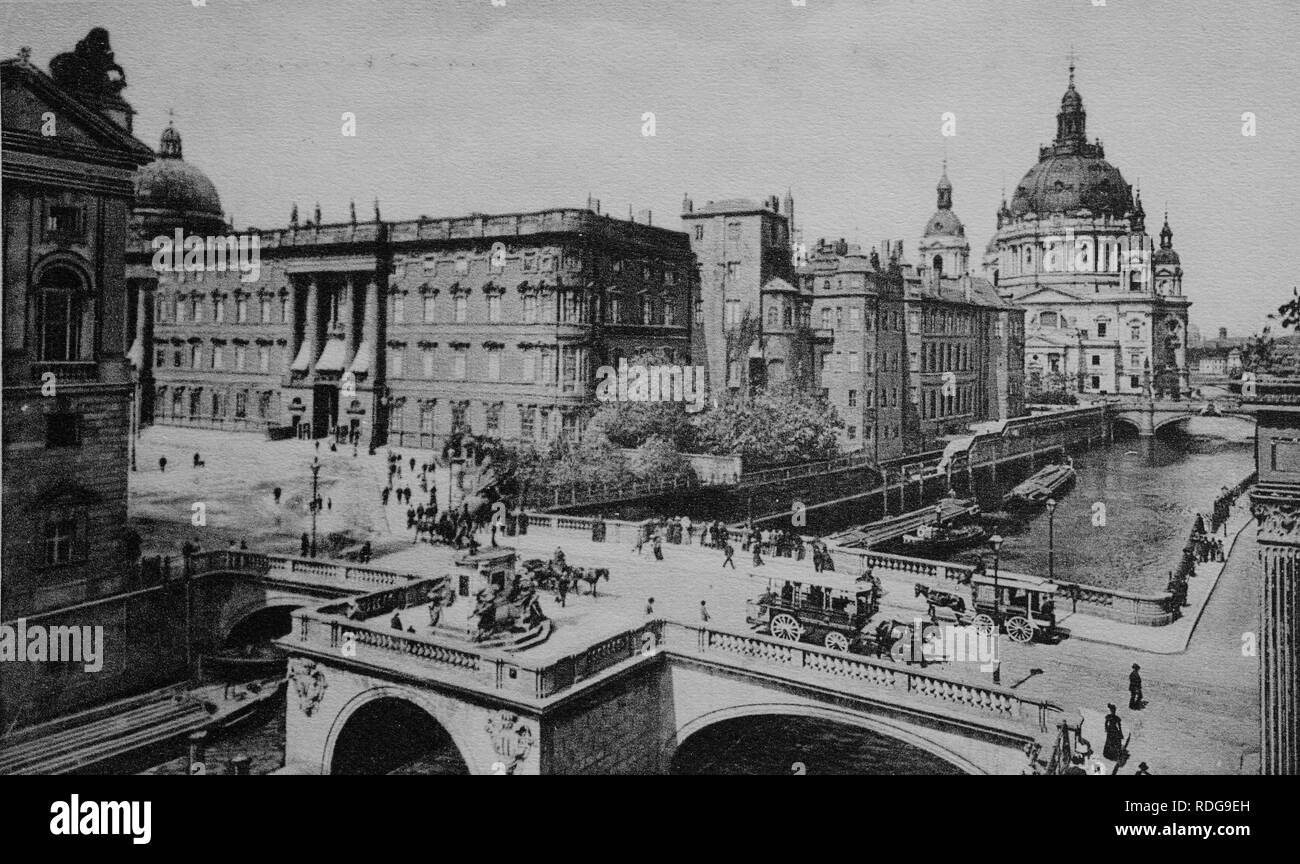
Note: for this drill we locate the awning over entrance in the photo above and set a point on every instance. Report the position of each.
(303, 360)
(363, 361)
(332, 358)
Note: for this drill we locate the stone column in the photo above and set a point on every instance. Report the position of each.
(346, 312)
(370, 323)
(311, 327)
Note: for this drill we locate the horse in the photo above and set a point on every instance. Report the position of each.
(589, 575)
(936, 597)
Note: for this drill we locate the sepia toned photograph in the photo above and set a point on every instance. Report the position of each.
(580, 387)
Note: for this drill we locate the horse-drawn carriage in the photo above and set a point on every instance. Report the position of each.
(547, 575)
(834, 612)
(1022, 606)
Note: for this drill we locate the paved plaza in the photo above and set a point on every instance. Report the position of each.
(1201, 687)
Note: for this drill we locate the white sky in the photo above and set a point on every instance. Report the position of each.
(462, 106)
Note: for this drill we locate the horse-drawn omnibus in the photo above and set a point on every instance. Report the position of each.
(1022, 606)
(826, 609)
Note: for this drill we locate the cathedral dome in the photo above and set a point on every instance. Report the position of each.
(1071, 173)
(172, 193)
(1072, 181)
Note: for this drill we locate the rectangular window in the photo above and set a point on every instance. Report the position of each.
(853, 432)
(492, 418)
(458, 421)
(494, 364)
(241, 405)
(63, 536)
(62, 429)
(530, 365)
(1133, 381)
(429, 309)
(399, 308)
(613, 309)
(65, 223)
(699, 232)
(647, 311)
(462, 309)
(855, 319)
(1101, 329)
(426, 419)
(264, 310)
(853, 398)
(853, 362)
(1096, 359)
(530, 309)
(219, 310)
(527, 422)
(264, 359)
(426, 362)
(196, 310)
(395, 362)
(459, 363)
(241, 310)
(548, 366)
(733, 313)
(218, 357)
(494, 308)
(241, 354)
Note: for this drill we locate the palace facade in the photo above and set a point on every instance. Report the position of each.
(405, 332)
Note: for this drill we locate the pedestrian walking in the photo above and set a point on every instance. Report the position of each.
(758, 557)
(730, 552)
(1142, 771)
(275, 493)
(563, 587)
(162, 464)
(197, 460)
(650, 606)
(704, 612)
(304, 544)
(657, 545)
(329, 503)
(1114, 747)
(1135, 700)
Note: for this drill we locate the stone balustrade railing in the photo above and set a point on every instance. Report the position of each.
(293, 568)
(877, 675)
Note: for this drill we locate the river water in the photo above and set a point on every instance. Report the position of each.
(1125, 522)
(1151, 491)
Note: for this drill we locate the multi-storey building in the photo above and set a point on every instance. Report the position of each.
(68, 558)
(407, 331)
(752, 315)
(1104, 307)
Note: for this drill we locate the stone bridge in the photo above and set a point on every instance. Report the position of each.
(366, 699)
(1149, 416)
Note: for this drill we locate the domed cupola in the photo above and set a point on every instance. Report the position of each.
(1165, 255)
(944, 223)
(171, 193)
(1072, 174)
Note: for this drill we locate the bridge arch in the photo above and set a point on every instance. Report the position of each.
(879, 725)
(403, 718)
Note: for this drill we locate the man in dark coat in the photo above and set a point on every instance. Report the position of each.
(1135, 700)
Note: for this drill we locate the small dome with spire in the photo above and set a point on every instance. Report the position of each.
(1166, 255)
(171, 193)
(944, 223)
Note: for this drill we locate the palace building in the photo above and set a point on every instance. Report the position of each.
(1105, 311)
(405, 332)
(68, 559)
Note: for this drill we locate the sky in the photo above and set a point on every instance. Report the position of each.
(462, 106)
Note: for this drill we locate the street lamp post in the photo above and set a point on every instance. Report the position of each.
(315, 475)
(1051, 538)
(996, 542)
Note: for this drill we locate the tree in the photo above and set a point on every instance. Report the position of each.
(1257, 353)
(658, 459)
(631, 424)
(775, 426)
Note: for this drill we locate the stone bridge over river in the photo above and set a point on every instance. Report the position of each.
(366, 697)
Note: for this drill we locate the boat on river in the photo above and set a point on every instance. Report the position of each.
(932, 540)
(1047, 483)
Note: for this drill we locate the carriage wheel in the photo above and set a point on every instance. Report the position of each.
(786, 627)
(1020, 628)
(836, 641)
(984, 624)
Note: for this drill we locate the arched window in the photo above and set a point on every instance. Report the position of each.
(938, 264)
(64, 317)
